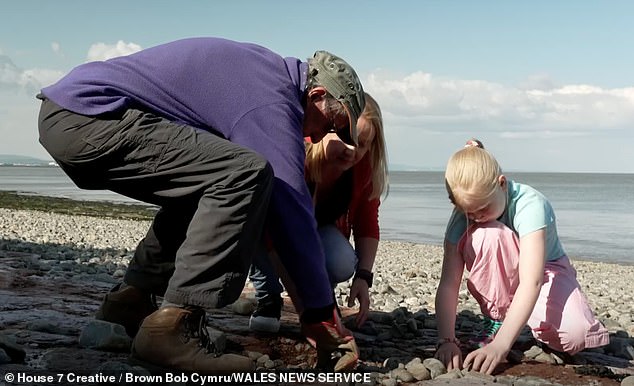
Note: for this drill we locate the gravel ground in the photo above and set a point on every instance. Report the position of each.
(406, 274)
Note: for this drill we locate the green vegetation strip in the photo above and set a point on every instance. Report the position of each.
(15, 200)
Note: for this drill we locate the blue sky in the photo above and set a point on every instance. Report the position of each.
(547, 86)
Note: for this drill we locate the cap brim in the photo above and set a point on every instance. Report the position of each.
(352, 125)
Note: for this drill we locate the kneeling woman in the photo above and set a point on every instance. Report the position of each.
(346, 183)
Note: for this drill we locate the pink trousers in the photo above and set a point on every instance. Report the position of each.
(562, 318)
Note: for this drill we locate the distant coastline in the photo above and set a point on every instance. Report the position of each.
(20, 160)
(10, 160)
(51, 164)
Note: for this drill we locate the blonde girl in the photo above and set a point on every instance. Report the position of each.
(505, 234)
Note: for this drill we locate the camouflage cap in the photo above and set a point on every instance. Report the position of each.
(342, 82)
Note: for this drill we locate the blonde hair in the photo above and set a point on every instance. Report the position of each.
(471, 176)
(315, 152)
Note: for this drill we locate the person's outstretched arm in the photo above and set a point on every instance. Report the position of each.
(446, 303)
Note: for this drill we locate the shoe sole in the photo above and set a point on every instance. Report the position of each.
(154, 369)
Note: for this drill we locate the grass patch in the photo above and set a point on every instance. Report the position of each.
(15, 200)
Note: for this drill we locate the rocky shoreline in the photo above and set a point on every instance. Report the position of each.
(54, 269)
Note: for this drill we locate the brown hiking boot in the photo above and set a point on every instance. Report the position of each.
(177, 338)
(127, 306)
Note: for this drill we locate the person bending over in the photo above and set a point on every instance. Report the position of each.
(212, 132)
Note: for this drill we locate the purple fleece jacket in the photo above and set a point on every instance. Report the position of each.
(242, 92)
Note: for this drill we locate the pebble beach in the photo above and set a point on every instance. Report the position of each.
(406, 274)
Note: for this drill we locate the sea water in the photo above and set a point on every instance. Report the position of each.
(595, 212)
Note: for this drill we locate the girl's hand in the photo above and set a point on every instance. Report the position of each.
(450, 355)
(486, 359)
(359, 291)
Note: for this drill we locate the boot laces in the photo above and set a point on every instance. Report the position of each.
(196, 328)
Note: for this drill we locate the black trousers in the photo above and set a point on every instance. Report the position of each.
(213, 196)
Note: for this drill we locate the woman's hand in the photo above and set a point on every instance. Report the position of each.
(359, 290)
(450, 355)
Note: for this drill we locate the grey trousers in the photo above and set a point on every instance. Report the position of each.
(213, 196)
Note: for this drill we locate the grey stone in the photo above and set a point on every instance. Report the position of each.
(453, 374)
(545, 358)
(421, 314)
(430, 323)
(12, 349)
(368, 328)
(365, 338)
(411, 325)
(116, 368)
(4, 357)
(506, 380)
(85, 255)
(478, 375)
(419, 371)
(435, 367)
(628, 381)
(402, 375)
(389, 382)
(269, 364)
(611, 325)
(559, 358)
(254, 355)
(262, 360)
(531, 381)
(532, 352)
(6, 278)
(400, 315)
(384, 335)
(47, 326)
(102, 335)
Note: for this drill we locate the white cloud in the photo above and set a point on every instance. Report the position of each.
(10, 74)
(19, 107)
(538, 125)
(44, 76)
(424, 101)
(544, 134)
(18, 125)
(55, 46)
(16, 80)
(538, 82)
(103, 51)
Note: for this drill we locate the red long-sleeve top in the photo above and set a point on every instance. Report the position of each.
(349, 206)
